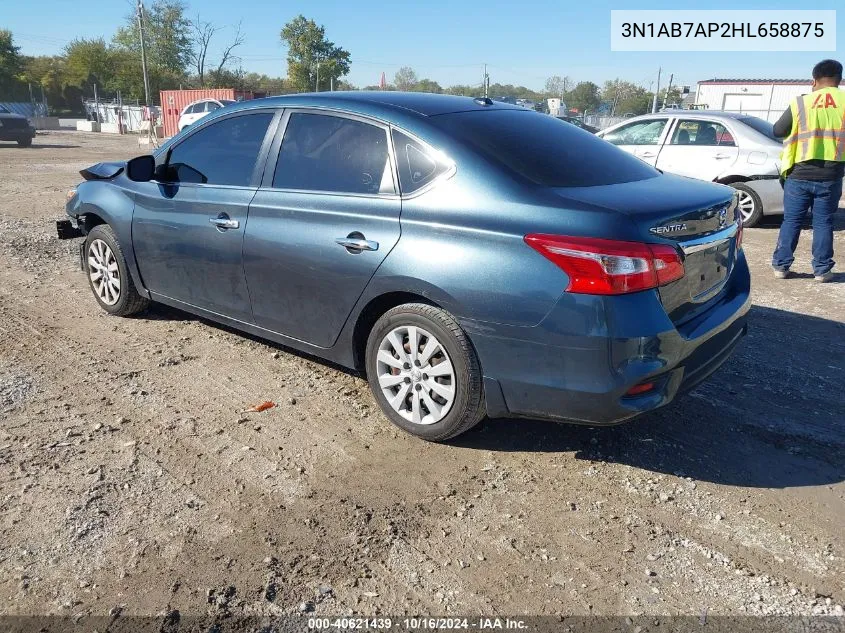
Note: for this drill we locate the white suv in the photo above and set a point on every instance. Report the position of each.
(198, 109)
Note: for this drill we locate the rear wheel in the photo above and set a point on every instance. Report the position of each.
(749, 204)
(108, 275)
(424, 372)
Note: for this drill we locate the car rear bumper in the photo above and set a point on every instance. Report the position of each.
(771, 195)
(579, 363)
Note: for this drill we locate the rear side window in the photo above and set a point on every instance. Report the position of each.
(223, 153)
(418, 164)
(211, 106)
(328, 153)
(544, 150)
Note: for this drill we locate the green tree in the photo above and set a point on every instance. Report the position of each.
(11, 63)
(310, 54)
(90, 62)
(405, 79)
(427, 85)
(583, 97)
(625, 97)
(168, 36)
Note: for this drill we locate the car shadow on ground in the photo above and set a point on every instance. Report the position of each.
(37, 145)
(774, 221)
(771, 417)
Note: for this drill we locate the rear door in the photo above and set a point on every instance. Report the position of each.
(641, 138)
(325, 217)
(188, 233)
(698, 148)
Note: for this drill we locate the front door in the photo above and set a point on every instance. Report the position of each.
(323, 221)
(698, 149)
(640, 138)
(188, 232)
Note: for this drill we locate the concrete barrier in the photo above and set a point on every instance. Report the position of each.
(46, 122)
(87, 126)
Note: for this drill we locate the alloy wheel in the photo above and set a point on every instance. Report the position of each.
(745, 204)
(104, 272)
(416, 375)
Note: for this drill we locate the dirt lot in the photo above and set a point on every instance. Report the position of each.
(128, 477)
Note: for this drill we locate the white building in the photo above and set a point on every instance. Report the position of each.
(764, 98)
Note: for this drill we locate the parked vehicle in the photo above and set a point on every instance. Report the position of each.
(732, 149)
(574, 120)
(193, 112)
(470, 257)
(16, 127)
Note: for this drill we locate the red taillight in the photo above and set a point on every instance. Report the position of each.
(609, 267)
(640, 389)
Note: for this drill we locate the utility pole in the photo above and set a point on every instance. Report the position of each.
(317, 83)
(656, 90)
(143, 52)
(666, 98)
(486, 81)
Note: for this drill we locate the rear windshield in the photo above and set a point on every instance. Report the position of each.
(764, 127)
(543, 149)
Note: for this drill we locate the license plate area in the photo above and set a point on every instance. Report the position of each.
(707, 268)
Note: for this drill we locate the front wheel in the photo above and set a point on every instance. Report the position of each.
(749, 204)
(424, 372)
(25, 142)
(108, 275)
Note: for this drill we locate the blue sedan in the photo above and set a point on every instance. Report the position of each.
(470, 257)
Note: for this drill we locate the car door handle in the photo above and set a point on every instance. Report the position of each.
(648, 154)
(721, 156)
(357, 244)
(224, 223)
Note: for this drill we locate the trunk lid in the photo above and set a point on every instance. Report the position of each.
(697, 217)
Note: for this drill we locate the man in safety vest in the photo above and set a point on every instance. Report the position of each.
(813, 163)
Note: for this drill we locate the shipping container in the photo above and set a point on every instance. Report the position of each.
(174, 101)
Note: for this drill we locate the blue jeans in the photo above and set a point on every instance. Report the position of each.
(799, 196)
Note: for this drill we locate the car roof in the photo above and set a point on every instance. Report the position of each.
(691, 114)
(420, 103)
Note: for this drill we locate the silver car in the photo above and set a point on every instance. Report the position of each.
(724, 147)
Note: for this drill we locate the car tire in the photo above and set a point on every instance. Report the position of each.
(25, 142)
(114, 290)
(749, 200)
(396, 370)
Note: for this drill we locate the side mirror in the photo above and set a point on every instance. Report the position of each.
(141, 169)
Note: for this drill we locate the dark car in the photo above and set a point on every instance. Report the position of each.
(15, 127)
(470, 257)
(578, 123)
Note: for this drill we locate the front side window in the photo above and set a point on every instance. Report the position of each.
(223, 153)
(706, 133)
(638, 133)
(418, 164)
(322, 152)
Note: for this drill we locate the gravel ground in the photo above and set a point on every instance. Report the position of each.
(130, 481)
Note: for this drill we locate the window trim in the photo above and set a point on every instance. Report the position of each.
(269, 172)
(263, 150)
(446, 175)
